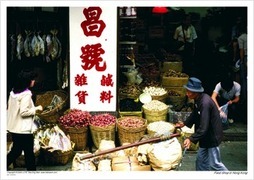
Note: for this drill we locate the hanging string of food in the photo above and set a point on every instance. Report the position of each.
(34, 44)
(20, 46)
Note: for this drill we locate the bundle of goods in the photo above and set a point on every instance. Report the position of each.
(129, 91)
(131, 75)
(131, 128)
(155, 110)
(128, 160)
(56, 147)
(176, 99)
(119, 160)
(102, 127)
(75, 123)
(162, 156)
(99, 163)
(160, 128)
(53, 103)
(157, 93)
(134, 159)
(82, 165)
(128, 163)
(173, 78)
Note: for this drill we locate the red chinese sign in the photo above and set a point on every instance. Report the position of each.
(93, 26)
(91, 57)
(92, 61)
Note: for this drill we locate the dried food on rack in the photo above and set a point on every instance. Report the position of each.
(131, 91)
(20, 46)
(173, 73)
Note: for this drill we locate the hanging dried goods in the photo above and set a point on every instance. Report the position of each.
(33, 43)
(173, 73)
(20, 46)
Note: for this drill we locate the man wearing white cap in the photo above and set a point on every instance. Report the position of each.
(208, 128)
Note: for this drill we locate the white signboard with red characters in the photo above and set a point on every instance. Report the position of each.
(93, 58)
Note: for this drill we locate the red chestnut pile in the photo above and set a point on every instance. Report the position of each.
(102, 120)
(75, 118)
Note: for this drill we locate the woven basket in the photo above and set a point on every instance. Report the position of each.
(79, 136)
(56, 157)
(153, 116)
(174, 81)
(45, 99)
(155, 112)
(102, 133)
(177, 101)
(176, 66)
(130, 135)
(162, 98)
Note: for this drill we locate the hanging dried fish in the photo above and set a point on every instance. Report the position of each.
(41, 44)
(49, 47)
(35, 46)
(56, 45)
(27, 44)
(20, 46)
(13, 46)
(65, 75)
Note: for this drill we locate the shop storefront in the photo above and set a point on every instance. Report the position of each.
(111, 76)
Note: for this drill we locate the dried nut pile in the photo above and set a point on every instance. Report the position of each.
(161, 127)
(155, 91)
(131, 122)
(155, 105)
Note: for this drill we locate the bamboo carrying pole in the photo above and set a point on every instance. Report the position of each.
(151, 140)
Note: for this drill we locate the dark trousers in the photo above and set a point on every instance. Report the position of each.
(22, 142)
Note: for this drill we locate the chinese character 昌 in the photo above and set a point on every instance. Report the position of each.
(93, 26)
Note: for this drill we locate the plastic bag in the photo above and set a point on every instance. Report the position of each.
(224, 113)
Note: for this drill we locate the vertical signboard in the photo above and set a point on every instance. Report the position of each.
(93, 58)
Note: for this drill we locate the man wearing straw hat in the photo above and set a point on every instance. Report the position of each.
(208, 128)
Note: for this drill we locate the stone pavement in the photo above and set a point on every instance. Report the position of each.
(233, 155)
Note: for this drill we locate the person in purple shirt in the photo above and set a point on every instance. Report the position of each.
(208, 128)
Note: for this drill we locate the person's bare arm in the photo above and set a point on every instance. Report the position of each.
(214, 98)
